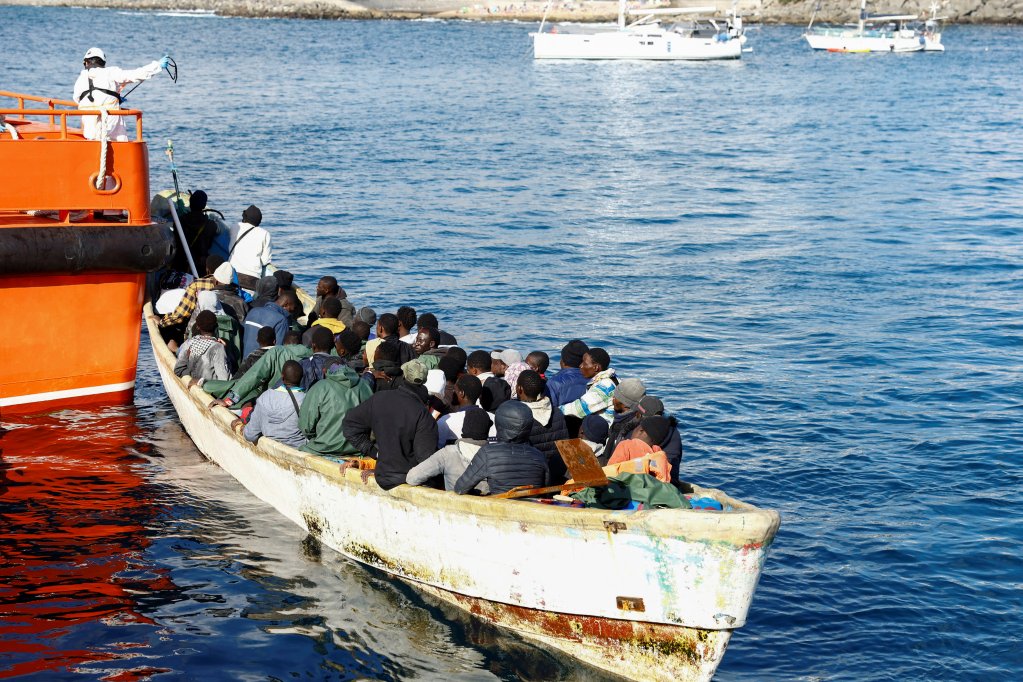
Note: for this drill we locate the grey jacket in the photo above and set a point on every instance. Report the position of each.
(452, 461)
(275, 417)
(202, 357)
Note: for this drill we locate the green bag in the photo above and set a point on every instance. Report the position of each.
(624, 489)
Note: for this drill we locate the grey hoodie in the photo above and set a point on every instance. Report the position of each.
(452, 461)
(275, 417)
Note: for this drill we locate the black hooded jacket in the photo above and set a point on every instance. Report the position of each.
(405, 433)
(511, 461)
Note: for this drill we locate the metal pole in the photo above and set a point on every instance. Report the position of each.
(181, 237)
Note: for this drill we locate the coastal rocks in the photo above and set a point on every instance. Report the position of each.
(759, 11)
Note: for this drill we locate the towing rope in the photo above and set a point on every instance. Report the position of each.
(101, 174)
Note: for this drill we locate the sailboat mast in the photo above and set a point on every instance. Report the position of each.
(863, 14)
(621, 14)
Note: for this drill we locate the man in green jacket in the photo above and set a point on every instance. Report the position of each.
(324, 408)
(266, 370)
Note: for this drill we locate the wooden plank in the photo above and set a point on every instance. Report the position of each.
(581, 462)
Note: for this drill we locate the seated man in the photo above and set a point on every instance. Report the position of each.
(425, 347)
(328, 312)
(650, 406)
(596, 367)
(406, 315)
(625, 408)
(267, 339)
(569, 383)
(324, 409)
(644, 445)
(452, 461)
(405, 433)
(539, 362)
(466, 396)
(387, 332)
(172, 325)
(203, 357)
(511, 461)
(258, 378)
(593, 432)
(430, 320)
(385, 371)
(277, 315)
(316, 366)
(548, 423)
(495, 389)
(277, 410)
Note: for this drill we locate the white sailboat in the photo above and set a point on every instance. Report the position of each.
(668, 33)
(889, 33)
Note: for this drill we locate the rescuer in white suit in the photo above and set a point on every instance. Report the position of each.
(99, 87)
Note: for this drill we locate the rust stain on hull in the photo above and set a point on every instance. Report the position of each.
(633, 649)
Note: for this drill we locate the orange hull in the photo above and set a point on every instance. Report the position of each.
(73, 259)
(72, 340)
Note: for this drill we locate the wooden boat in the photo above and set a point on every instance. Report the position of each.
(70, 250)
(650, 594)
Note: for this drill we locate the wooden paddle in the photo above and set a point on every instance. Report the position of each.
(581, 464)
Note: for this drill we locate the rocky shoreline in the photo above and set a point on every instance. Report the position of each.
(758, 11)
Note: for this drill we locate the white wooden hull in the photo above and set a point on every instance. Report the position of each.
(640, 43)
(851, 41)
(650, 595)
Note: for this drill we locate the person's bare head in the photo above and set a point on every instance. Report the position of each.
(406, 319)
(288, 300)
(322, 341)
(291, 373)
(327, 286)
(426, 340)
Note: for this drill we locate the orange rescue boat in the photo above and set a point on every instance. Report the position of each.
(73, 256)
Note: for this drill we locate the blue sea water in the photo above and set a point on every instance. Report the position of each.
(813, 259)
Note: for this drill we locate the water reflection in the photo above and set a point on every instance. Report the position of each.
(126, 555)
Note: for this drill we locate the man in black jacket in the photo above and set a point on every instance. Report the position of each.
(394, 427)
(511, 461)
(548, 423)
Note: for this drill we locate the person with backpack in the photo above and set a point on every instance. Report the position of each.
(277, 410)
(317, 365)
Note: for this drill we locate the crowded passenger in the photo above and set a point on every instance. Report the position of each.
(511, 461)
(466, 396)
(430, 320)
(330, 308)
(548, 422)
(277, 410)
(625, 409)
(539, 361)
(406, 315)
(266, 337)
(173, 325)
(645, 445)
(452, 460)
(394, 427)
(323, 411)
(203, 357)
(600, 386)
(322, 360)
(425, 347)
(277, 315)
(568, 384)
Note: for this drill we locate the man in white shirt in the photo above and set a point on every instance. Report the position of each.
(250, 253)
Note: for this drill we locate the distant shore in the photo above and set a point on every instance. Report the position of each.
(583, 11)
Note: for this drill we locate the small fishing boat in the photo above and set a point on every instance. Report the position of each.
(76, 242)
(667, 33)
(649, 594)
(887, 33)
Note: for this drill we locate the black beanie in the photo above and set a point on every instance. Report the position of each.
(252, 215)
(476, 425)
(573, 352)
(657, 428)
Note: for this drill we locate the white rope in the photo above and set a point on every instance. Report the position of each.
(101, 175)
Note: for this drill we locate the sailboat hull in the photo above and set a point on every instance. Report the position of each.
(645, 43)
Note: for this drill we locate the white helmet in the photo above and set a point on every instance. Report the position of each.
(95, 52)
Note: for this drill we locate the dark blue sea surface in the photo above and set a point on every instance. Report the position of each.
(813, 259)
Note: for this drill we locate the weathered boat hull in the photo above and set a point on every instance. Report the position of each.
(850, 41)
(648, 594)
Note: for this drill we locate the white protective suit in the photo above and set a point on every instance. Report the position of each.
(113, 79)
